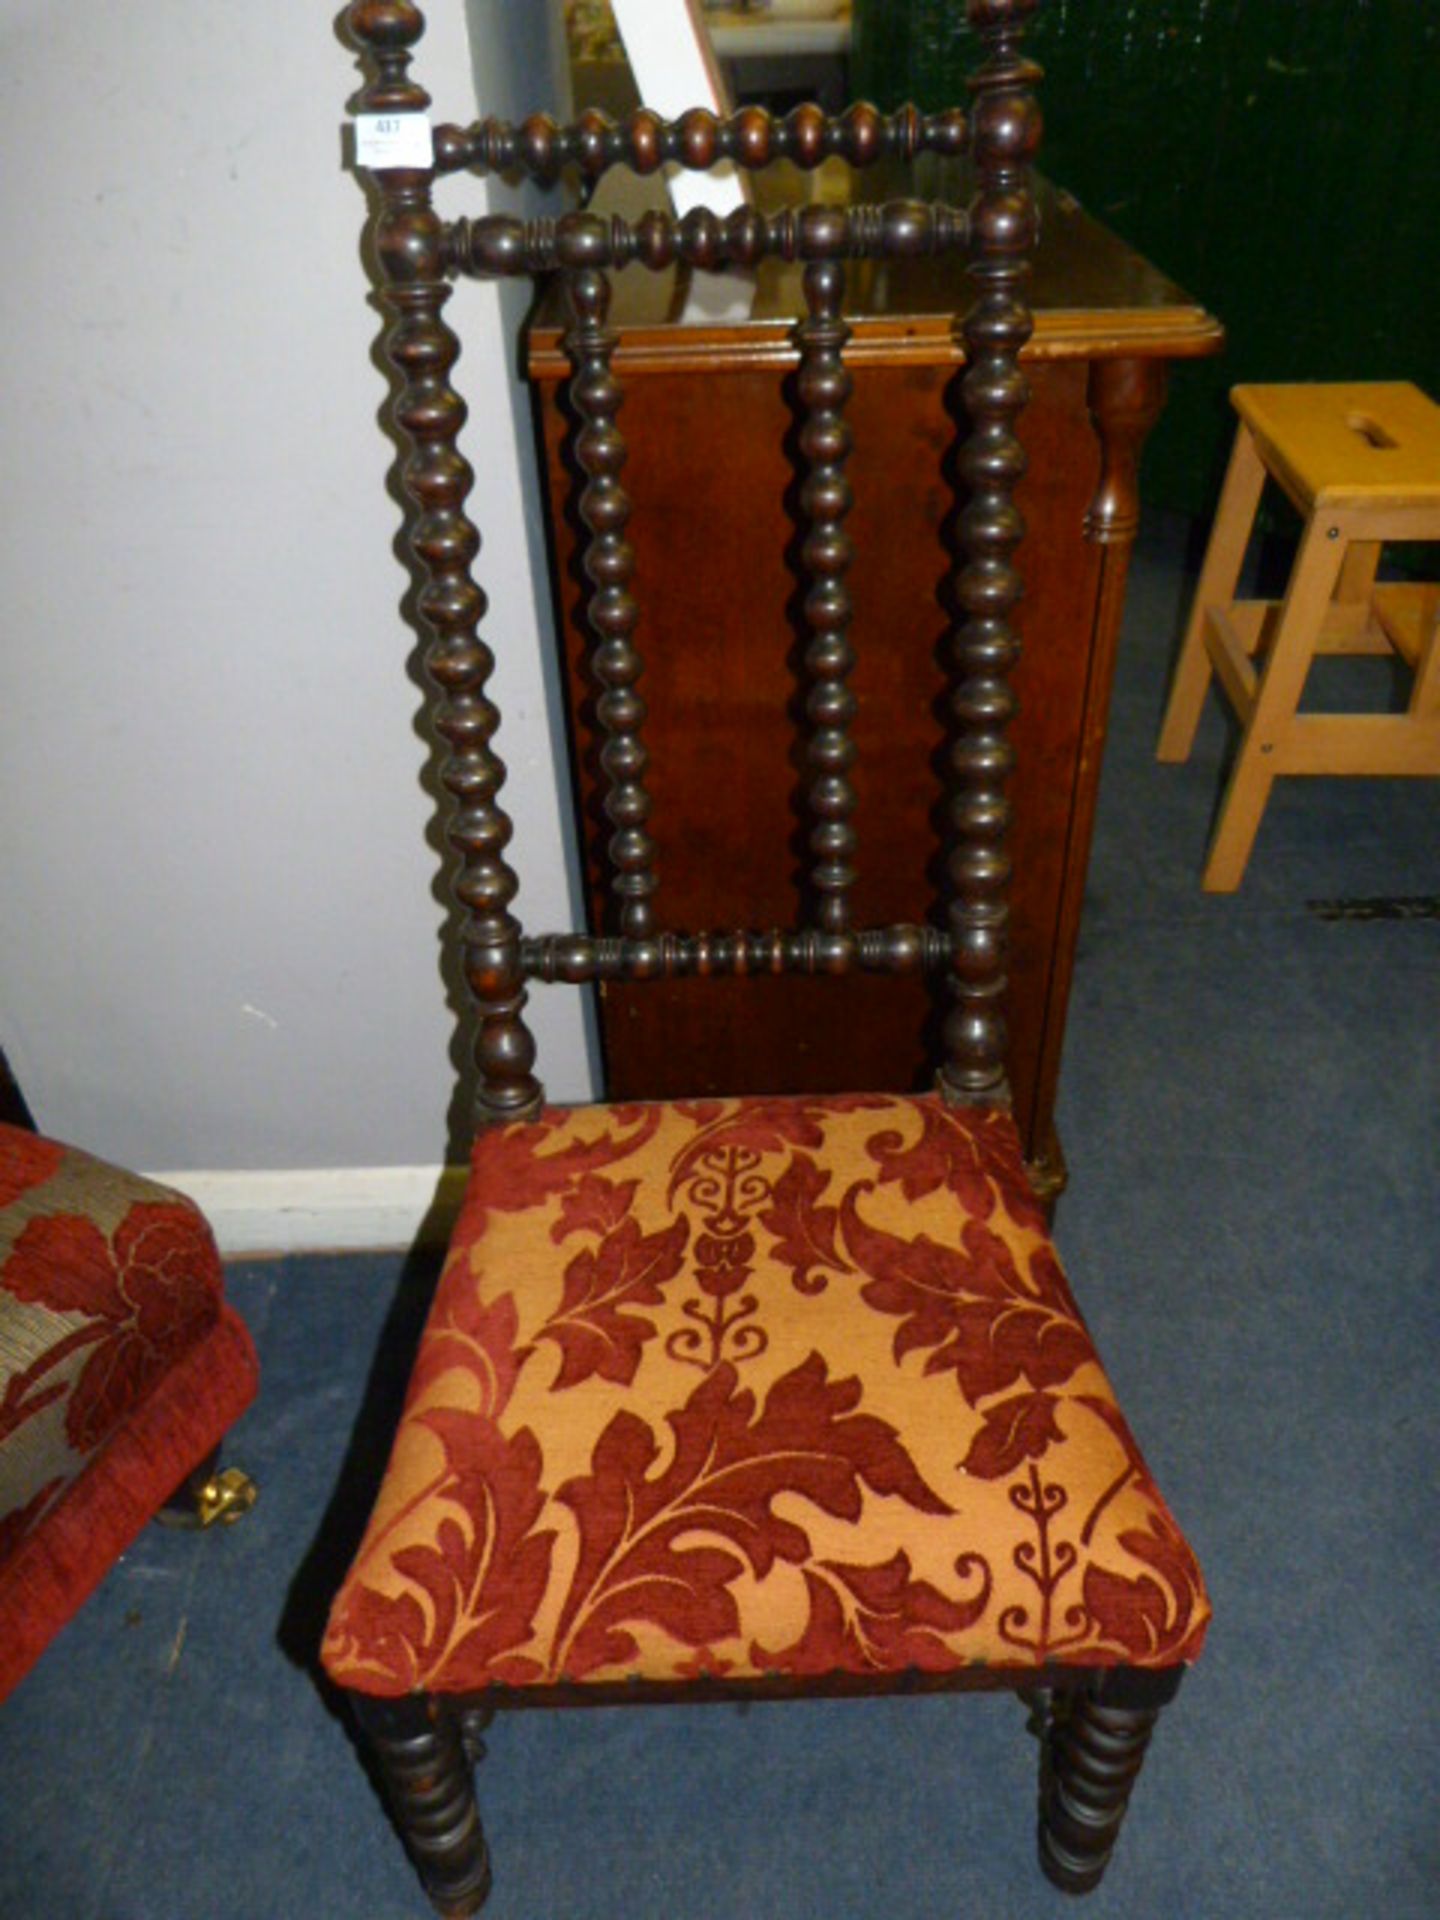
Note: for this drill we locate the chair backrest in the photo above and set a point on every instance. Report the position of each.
(419, 255)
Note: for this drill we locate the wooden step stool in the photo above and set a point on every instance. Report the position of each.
(1362, 465)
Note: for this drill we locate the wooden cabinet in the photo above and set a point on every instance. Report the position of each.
(708, 420)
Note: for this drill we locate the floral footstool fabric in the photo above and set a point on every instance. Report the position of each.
(121, 1368)
(757, 1387)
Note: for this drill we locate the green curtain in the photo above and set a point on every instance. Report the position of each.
(1279, 158)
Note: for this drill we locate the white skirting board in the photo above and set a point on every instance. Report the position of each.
(324, 1209)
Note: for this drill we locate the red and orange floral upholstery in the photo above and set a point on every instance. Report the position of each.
(757, 1387)
(121, 1367)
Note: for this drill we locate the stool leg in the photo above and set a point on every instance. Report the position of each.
(1224, 557)
(1425, 695)
(1282, 681)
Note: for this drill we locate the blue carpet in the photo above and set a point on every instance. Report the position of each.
(1252, 1116)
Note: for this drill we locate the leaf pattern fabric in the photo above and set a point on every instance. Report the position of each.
(26, 1160)
(141, 1292)
(105, 1281)
(756, 1387)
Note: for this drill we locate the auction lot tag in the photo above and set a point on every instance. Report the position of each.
(393, 140)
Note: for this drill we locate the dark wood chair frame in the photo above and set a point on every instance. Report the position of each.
(1095, 1723)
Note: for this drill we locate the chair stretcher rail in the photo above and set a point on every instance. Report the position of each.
(502, 246)
(577, 957)
(540, 148)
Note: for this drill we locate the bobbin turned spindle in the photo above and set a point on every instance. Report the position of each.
(409, 244)
(1005, 132)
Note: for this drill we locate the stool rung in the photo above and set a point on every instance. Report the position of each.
(1350, 627)
(1230, 658)
(1359, 743)
(1408, 614)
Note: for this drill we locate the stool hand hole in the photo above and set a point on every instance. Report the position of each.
(1371, 430)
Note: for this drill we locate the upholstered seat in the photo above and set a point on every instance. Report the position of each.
(749, 1387)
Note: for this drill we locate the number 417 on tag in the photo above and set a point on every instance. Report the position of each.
(393, 140)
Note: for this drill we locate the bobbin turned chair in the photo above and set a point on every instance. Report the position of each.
(729, 1398)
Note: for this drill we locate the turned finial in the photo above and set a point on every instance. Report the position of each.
(1006, 121)
(387, 30)
(1000, 16)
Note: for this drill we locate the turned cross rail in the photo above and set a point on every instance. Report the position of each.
(539, 148)
(500, 246)
(420, 255)
(578, 957)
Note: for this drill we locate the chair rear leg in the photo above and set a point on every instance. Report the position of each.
(424, 1757)
(1088, 1770)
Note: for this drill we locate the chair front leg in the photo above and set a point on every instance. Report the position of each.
(1092, 1759)
(419, 1744)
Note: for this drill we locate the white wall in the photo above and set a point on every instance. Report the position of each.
(219, 933)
